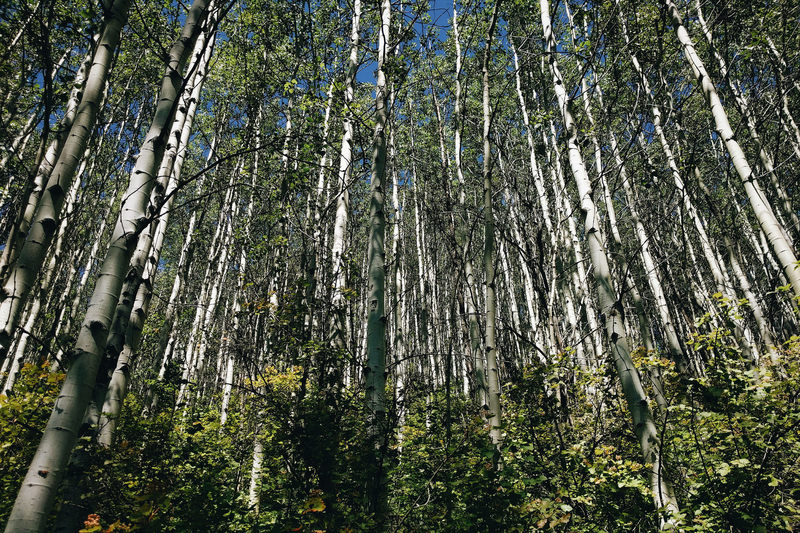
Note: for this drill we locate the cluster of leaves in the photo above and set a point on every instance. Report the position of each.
(735, 441)
(22, 418)
(554, 472)
(569, 460)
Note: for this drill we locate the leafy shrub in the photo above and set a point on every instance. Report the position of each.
(23, 416)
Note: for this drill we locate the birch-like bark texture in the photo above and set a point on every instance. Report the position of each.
(375, 370)
(758, 201)
(126, 344)
(20, 230)
(35, 498)
(21, 275)
(343, 199)
(462, 239)
(651, 269)
(490, 345)
(744, 109)
(615, 325)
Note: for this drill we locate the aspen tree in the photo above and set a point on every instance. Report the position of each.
(66, 324)
(718, 271)
(586, 97)
(148, 248)
(544, 204)
(47, 278)
(255, 473)
(239, 294)
(758, 202)
(476, 351)
(214, 278)
(652, 275)
(17, 147)
(35, 497)
(615, 325)
(651, 271)
(650, 267)
(399, 301)
(343, 198)
(127, 344)
(375, 370)
(490, 336)
(527, 277)
(424, 341)
(734, 254)
(512, 299)
(743, 106)
(21, 275)
(785, 116)
(32, 190)
(513, 214)
(314, 274)
(588, 349)
(166, 338)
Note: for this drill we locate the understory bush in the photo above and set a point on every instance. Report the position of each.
(569, 460)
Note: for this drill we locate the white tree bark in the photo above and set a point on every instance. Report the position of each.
(150, 248)
(35, 497)
(375, 370)
(758, 202)
(650, 267)
(477, 354)
(615, 326)
(22, 274)
(343, 198)
(744, 108)
(495, 415)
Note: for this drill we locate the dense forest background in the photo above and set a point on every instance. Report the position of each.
(398, 265)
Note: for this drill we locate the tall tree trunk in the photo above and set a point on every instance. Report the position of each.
(375, 371)
(35, 497)
(463, 239)
(490, 343)
(167, 331)
(343, 199)
(758, 202)
(650, 267)
(615, 324)
(22, 274)
(744, 109)
(126, 334)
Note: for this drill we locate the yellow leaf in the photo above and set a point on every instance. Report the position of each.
(314, 505)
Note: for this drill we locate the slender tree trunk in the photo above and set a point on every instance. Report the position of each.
(615, 325)
(375, 371)
(744, 109)
(22, 274)
(343, 199)
(718, 271)
(129, 332)
(167, 331)
(35, 497)
(204, 317)
(20, 230)
(758, 202)
(314, 275)
(490, 336)
(463, 239)
(650, 267)
(399, 298)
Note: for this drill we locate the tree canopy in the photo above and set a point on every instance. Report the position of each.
(398, 265)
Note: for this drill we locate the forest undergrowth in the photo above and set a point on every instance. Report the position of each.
(569, 461)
